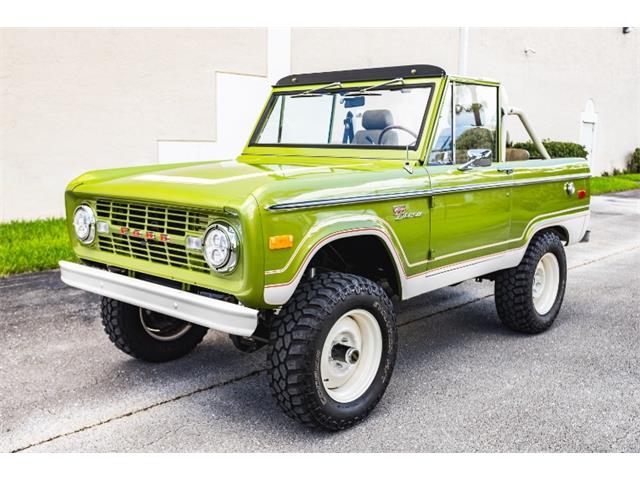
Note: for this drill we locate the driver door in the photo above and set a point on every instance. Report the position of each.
(471, 207)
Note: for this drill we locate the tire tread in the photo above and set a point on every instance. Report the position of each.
(292, 333)
(512, 288)
(118, 321)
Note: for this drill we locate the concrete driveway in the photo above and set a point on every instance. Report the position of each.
(462, 382)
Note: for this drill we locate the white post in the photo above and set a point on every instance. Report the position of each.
(278, 53)
(463, 48)
(239, 98)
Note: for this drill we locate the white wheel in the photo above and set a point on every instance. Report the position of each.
(351, 355)
(546, 281)
(147, 335)
(529, 296)
(332, 350)
(162, 327)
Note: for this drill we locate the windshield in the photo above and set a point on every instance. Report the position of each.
(390, 117)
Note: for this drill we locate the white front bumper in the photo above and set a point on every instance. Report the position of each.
(208, 312)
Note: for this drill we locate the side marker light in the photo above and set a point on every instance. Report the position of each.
(279, 242)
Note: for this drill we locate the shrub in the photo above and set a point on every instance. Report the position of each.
(555, 149)
(633, 166)
(473, 138)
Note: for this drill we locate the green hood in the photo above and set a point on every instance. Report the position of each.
(214, 185)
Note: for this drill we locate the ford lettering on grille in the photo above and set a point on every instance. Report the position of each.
(155, 233)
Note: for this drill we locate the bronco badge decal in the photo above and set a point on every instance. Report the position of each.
(400, 213)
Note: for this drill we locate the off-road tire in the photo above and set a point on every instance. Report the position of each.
(513, 287)
(296, 338)
(122, 323)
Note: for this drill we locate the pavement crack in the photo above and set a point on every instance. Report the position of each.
(253, 373)
(444, 310)
(613, 254)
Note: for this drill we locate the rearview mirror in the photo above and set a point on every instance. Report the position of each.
(351, 102)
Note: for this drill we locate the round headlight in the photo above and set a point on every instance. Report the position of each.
(84, 223)
(221, 247)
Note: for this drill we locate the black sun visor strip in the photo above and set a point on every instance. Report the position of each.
(362, 75)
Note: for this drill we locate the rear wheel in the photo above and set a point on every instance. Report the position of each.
(529, 296)
(148, 335)
(332, 350)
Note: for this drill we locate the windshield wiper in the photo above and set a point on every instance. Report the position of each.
(313, 91)
(369, 90)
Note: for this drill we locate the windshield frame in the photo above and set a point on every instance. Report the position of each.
(275, 94)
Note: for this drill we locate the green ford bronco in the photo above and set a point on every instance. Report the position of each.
(356, 190)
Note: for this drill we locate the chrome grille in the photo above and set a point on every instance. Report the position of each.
(176, 223)
(154, 218)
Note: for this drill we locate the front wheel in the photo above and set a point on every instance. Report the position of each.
(529, 296)
(332, 350)
(148, 335)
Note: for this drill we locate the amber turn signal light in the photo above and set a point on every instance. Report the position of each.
(280, 241)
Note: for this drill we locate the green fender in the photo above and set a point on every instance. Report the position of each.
(280, 283)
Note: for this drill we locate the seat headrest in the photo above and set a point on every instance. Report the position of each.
(376, 119)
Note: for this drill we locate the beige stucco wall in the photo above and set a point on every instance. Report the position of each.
(321, 49)
(75, 100)
(553, 85)
(570, 67)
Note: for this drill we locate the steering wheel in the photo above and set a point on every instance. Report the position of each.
(395, 127)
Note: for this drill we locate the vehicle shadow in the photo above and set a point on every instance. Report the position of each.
(431, 329)
(228, 390)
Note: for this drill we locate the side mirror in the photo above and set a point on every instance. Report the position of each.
(478, 157)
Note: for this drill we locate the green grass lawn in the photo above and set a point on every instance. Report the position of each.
(617, 183)
(31, 246)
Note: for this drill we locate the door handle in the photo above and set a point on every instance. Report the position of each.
(506, 170)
